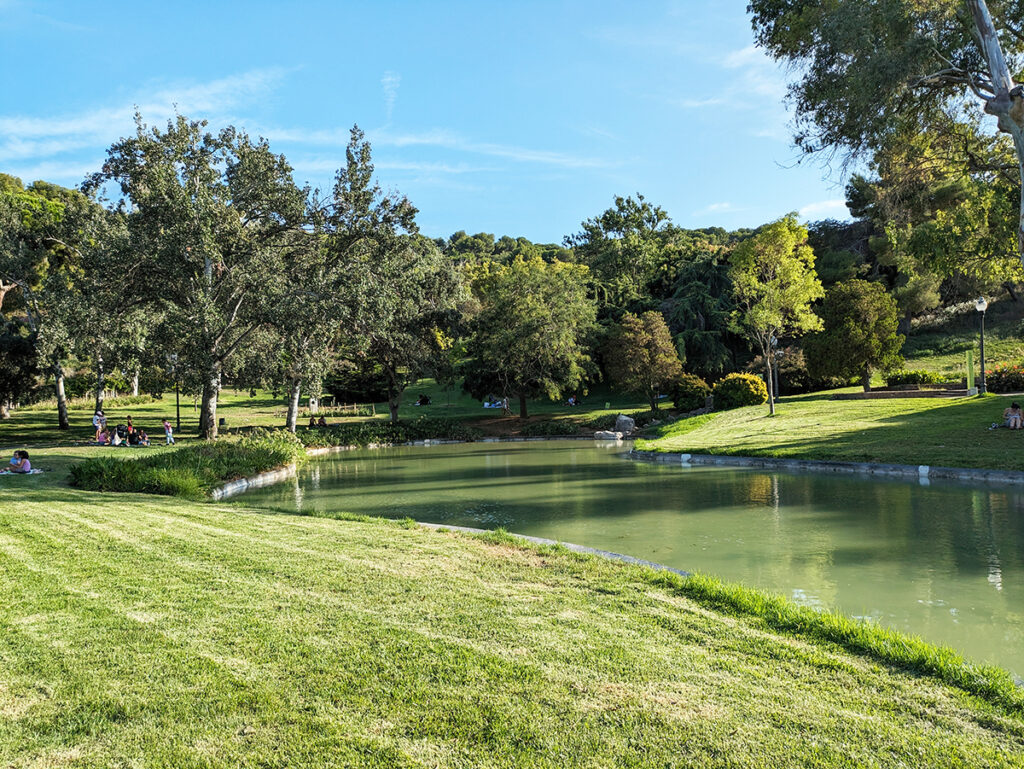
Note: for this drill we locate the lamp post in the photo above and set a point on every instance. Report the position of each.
(981, 305)
(775, 367)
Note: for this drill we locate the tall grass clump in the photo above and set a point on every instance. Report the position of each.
(193, 471)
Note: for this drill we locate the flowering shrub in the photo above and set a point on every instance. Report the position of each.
(1005, 379)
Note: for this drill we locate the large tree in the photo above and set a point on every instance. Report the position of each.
(774, 284)
(528, 335)
(870, 70)
(211, 220)
(859, 335)
(640, 357)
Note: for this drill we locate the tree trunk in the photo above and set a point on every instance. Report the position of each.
(314, 404)
(768, 380)
(294, 395)
(652, 398)
(62, 399)
(393, 403)
(208, 410)
(101, 382)
(522, 407)
(5, 409)
(903, 327)
(135, 382)
(1008, 103)
(865, 379)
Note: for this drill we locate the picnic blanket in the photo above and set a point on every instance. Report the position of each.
(33, 471)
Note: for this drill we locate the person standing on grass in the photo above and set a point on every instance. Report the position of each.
(169, 433)
(99, 421)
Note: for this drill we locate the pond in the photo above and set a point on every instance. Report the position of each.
(943, 561)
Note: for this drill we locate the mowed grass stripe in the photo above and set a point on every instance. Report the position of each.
(214, 636)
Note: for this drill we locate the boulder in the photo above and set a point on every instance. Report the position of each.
(607, 435)
(624, 424)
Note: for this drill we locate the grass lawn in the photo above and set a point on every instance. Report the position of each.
(140, 631)
(944, 349)
(930, 431)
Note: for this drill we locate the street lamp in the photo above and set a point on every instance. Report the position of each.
(981, 305)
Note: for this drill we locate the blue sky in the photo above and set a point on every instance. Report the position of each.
(514, 118)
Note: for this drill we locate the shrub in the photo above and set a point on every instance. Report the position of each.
(918, 376)
(382, 433)
(1005, 379)
(737, 390)
(549, 427)
(690, 393)
(191, 471)
(794, 377)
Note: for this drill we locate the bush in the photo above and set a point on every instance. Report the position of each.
(549, 427)
(193, 471)
(690, 393)
(737, 390)
(918, 376)
(384, 433)
(794, 377)
(1005, 379)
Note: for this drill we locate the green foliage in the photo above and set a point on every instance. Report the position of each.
(528, 338)
(736, 390)
(1005, 379)
(548, 427)
(192, 471)
(690, 393)
(639, 356)
(916, 376)
(859, 335)
(19, 363)
(387, 433)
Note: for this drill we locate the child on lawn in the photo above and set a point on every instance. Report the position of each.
(169, 433)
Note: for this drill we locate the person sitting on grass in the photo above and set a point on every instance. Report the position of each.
(133, 436)
(20, 463)
(104, 437)
(1013, 417)
(312, 421)
(143, 438)
(321, 422)
(116, 439)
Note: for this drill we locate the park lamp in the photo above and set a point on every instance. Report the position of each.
(981, 305)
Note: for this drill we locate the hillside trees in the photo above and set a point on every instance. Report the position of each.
(641, 358)
(209, 225)
(774, 284)
(859, 335)
(528, 337)
(870, 71)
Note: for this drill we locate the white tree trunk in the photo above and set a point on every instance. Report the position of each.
(135, 382)
(294, 396)
(1008, 103)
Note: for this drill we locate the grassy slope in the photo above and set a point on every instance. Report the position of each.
(932, 431)
(161, 633)
(944, 348)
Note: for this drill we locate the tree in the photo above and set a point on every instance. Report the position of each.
(528, 336)
(774, 284)
(18, 365)
(410, 321)
(859, 335)
(641, 358)
(211, 219)
(872, 69)
(623, 248)
(45, 233)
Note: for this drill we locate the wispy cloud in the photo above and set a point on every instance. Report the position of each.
(826, 209)
(716, 208)
(40, 139)
(390, 83)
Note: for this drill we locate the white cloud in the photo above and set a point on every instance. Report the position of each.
(716, 208)
(825, 209)
(390, 83)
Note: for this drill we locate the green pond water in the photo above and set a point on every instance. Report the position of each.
(943, 561)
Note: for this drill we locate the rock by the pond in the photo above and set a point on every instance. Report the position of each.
(607, 435)
(624, 424)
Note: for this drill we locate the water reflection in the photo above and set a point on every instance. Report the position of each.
(940, 560)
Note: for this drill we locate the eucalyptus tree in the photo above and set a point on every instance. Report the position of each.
(872, 69)
(46, 232)
(774, 284)
(211, 218)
